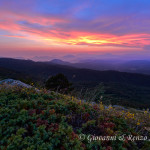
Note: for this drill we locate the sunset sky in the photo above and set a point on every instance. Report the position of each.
(45, 27)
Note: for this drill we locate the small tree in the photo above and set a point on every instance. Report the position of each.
(58, 83)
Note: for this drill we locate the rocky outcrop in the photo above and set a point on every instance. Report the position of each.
(12, 82)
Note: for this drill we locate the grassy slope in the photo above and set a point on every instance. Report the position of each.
(43, 120)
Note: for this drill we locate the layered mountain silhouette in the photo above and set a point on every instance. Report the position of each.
(42, 70)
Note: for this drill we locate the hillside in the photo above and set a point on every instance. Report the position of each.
(129, 89)
(48, 120)
(7, 73)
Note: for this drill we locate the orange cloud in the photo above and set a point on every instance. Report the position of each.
(80, 38)
(45, 29)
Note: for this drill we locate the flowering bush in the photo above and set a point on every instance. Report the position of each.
(38, 119)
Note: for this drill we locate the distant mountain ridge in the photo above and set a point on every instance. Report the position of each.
(42, 71)
(60, 62)
(132, 66)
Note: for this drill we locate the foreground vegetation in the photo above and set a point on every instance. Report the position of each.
(38, 119)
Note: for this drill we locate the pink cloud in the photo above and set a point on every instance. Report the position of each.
(45, 29)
